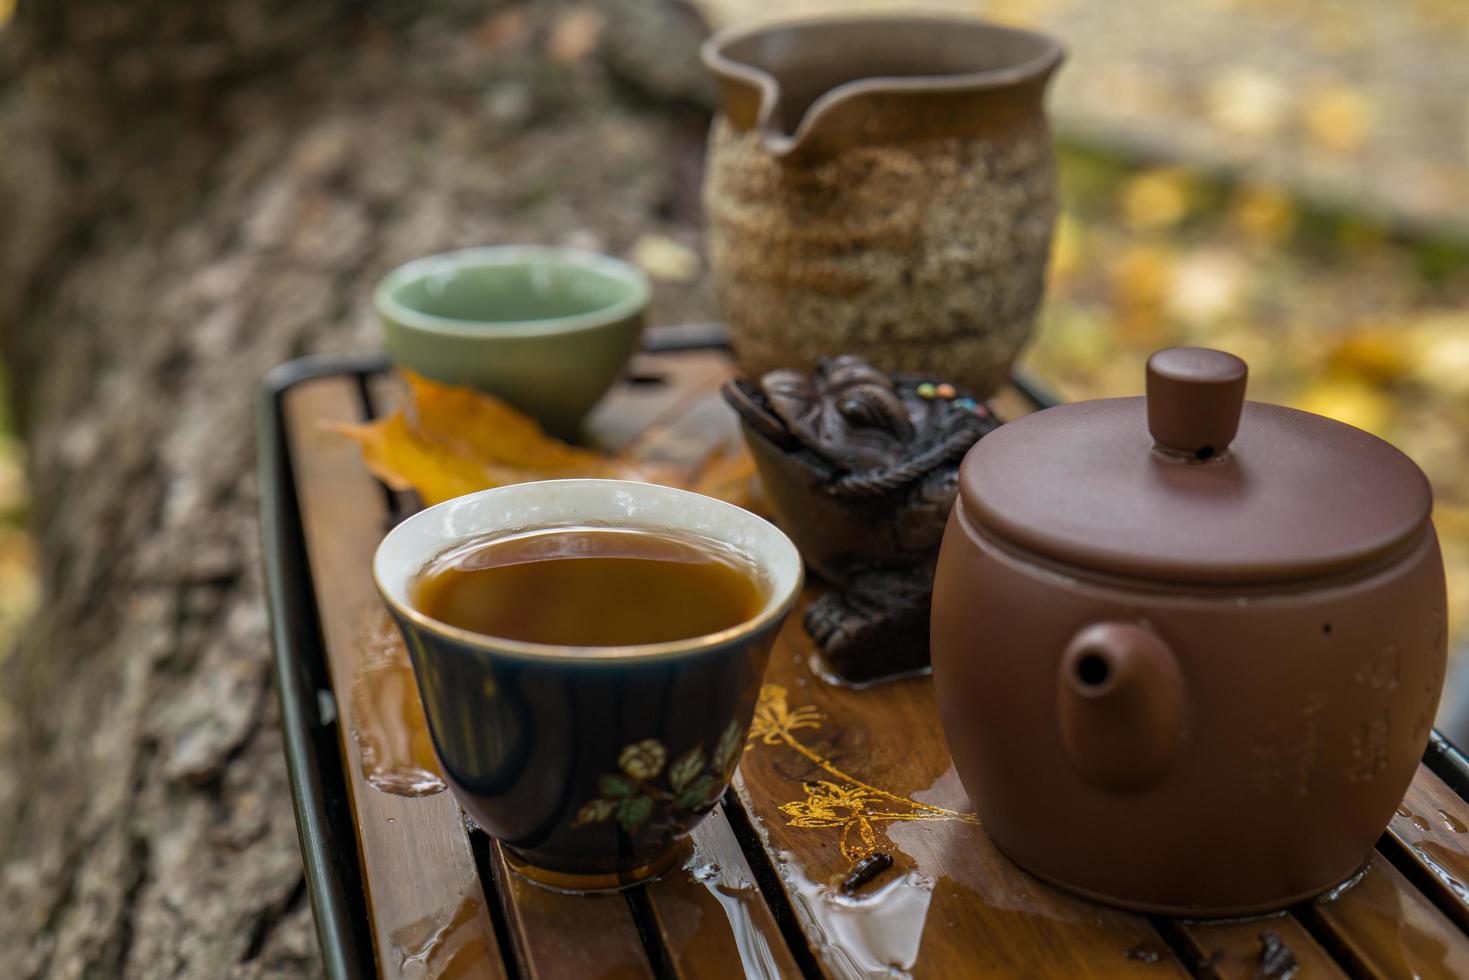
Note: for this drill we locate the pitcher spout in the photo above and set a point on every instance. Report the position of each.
(809, 87)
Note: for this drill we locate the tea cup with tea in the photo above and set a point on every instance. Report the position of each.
(589, 654)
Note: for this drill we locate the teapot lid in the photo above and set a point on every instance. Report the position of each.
(1193, 484)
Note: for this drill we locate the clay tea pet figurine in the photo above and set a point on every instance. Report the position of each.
(861, 470)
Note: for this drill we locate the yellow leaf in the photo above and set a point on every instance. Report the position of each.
(405, 460)
(450, 441)
(483, 427)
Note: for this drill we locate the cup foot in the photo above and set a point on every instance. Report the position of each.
(584, 884)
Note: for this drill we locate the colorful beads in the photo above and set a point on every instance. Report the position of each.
(948, 392)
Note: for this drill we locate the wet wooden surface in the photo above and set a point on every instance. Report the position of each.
(830, 775)
(1243, 949)
(427, 905)
(718, 887)
(834, 774)
(1431, 829)
(1384, 927)
(558, 935)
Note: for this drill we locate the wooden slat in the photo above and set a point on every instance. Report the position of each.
(1236, 950)
(686, 382)
(873, 764)
(568, 937)
(711, 916)
(1431, 828)
(1382, 926)
(387, 392)
(423, 891)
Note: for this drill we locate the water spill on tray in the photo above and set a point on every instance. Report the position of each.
(448, 945)
(726, 906)
(1405, 930)
(387, 716)
(877, 932)
(1449, 866)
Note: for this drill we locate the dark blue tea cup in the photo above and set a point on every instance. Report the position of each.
(589, 764)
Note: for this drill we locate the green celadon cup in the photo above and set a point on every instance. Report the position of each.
(546, 329)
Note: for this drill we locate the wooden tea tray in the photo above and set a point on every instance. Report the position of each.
(402, 886)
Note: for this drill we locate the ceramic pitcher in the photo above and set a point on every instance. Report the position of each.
(881, 186)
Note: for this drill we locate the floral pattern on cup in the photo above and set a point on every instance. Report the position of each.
(648, 786)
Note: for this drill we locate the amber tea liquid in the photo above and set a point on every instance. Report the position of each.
(589, 586)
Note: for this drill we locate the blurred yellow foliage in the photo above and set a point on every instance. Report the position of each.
(1264, 215)
(1348, 400)
(1247, 101)
(1156, 199)
(1374, 355)
(1440, 354)
(1076, 340)
(1207, 285)
(1066, 249)
(1338, 117)
(1142, 277)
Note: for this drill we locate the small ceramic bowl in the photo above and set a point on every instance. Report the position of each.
(588, 763)
(547, 329)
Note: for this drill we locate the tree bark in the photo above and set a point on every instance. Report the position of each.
(193, 193)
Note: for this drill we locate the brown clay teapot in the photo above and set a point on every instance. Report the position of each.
(1188, 648)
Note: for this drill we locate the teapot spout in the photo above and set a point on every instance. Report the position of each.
(1121, 706)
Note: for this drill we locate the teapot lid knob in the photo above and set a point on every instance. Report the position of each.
(1194, 400)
